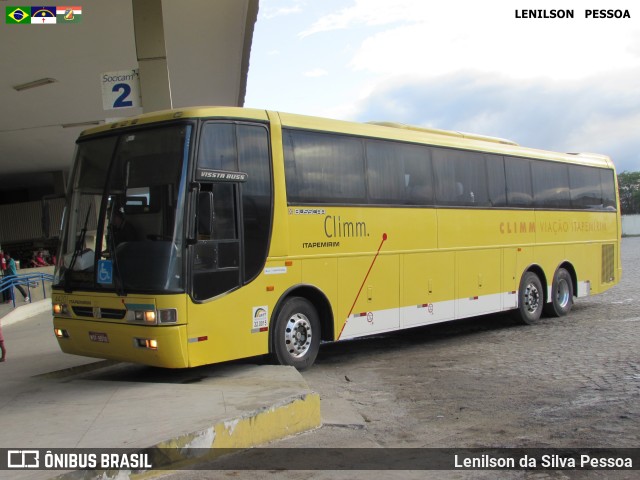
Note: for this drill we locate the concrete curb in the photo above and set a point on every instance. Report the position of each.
(26, 311)
(288, 417)
(291, 416)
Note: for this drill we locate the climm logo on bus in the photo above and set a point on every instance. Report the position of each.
(335, 227)
(552, 227)
(517, 227)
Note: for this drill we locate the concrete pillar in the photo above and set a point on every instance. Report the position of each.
(155, 85)
(208, 45)
(193, 52)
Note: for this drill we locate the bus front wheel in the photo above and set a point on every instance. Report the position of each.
(530, 299)
(296, 334)
(561, 295)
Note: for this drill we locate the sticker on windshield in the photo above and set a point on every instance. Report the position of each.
(105, 272)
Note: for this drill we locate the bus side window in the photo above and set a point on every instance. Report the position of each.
(519, 188)
(550, 185)
(495, 181)
(608, 189)
(224, 216)
(216, 255)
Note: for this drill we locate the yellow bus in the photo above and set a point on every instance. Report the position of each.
(207, 234)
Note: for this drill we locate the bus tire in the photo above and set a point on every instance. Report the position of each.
(296, 334)
(561, 295)
(530, 299)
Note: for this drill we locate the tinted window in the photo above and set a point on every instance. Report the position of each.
(218, 147)
(461, 178)
(518, 175)
(608, 189)
(216, 256)
(496, 181)
(586, 191)
(324, 168)
(398, 173)
(94, 158)
(254, 160)
(418, 175)
(332, 168)
(551, 185)
(244, 148)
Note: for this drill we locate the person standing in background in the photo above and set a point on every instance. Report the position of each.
(11, 268)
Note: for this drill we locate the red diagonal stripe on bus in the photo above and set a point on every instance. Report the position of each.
(384, 239)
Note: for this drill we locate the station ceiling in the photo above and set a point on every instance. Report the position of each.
(207, 50)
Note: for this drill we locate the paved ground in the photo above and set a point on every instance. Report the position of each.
(51, 400)
(568, 382)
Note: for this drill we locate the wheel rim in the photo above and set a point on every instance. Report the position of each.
(563, 294)
(297, 335)
(532, 298)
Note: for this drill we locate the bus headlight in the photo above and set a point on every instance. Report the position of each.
(61, 333)
(154, 317)
(168, 315)
(60, 309)
(145, 316)
(148, 343)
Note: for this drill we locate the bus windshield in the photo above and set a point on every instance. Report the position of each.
(121, 231)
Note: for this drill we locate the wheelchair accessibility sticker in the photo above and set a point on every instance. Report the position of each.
(105, 272)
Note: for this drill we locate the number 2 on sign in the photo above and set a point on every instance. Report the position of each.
(121, 101)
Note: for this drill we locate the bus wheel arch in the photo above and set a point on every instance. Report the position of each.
(531, 295)
(301, 319)
(563, 289)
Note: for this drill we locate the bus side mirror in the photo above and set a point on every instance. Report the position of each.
(205, 213)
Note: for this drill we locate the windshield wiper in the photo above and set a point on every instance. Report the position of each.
(78, 250)
(117, 281)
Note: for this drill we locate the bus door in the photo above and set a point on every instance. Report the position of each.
(216, 261)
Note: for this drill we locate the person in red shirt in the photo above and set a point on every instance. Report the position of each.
(39, 260)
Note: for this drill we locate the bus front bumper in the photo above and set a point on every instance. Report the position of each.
(159, 346)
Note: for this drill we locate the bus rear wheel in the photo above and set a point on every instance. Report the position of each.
(296, 334)
(561, 295)
(530, 299)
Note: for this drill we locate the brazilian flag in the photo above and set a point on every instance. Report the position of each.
(18, 15)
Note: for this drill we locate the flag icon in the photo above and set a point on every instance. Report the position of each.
(68, 14)
(43, 15)
(17, 14)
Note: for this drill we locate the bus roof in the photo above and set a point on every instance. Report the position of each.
(388, 130)
(450, 133)
(177, 113)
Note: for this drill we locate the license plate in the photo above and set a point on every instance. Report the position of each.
(98, 337)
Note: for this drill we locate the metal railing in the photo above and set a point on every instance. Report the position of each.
(26, 281)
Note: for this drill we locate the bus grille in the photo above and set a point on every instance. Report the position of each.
(608, 263)
(90, 312)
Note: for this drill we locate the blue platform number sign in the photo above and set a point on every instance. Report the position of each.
(105, 272)
(120, 89)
